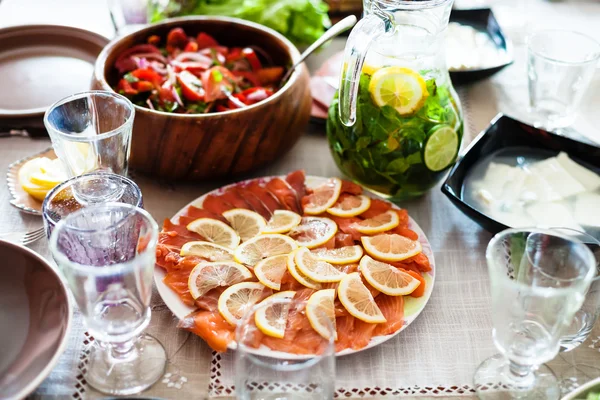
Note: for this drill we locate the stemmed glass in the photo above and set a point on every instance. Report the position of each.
(538, 282)
(261, 373)
(107, 254)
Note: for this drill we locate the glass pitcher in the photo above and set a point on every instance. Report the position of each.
(396, 125)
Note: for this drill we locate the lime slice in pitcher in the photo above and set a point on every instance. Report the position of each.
(441, 148)
(398, 87)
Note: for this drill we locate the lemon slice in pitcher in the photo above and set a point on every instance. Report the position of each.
(400, 88)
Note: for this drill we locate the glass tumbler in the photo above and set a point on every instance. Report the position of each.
(538, 282)
(106, 252)
(264, 374)
(91, 131)
(560, 67)
(73, 194)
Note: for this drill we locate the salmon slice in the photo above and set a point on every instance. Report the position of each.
(285, 194)
(215, 204)
(406, 265)
(269, 200)
(330, 244)
(343, 239)
(210, 300)
(233, 197)
(421, 261)
(403, 216)
(255, 203)
(195, 213)
(288, 282)
(353, 333)
(175, 236)
(211, 327)
(392, 308)
(407, 233)
(177, 277)
(351, 188)
(296, 181)
(346, 225)
(377, 207)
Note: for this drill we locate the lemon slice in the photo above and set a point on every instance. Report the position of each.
(312, 267)
(400, 88)
(320, 311)
(314, 231)
(441, 148)
(209, 275)
(215, 231)
(358, 300)
(207, 250)
(272, 320)
(270, 271)
(246, 223)
(323, 197)
(263, 246)
(343, 255)
(391, 247)
(350, 206)
(381, 223)
(237, 299)
(80, 157)
(282, 221)
(387, 278)
(39, 175)
(299, 276)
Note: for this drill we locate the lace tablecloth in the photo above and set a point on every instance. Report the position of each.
(434, 356)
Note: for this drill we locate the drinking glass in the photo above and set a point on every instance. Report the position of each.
(561, 65)
(107, 253)
(127, 15)
(538, 282)
(83, 191)
(91, 131)
(261, 373)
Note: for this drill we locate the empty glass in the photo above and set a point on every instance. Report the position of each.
(538, 282)
(261, 373)
(75, 193)
(91, 131)
(561, 65)
(107, 254)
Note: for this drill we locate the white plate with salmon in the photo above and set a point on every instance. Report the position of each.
(240, 244)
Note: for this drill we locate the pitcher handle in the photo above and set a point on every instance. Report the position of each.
(364, 33)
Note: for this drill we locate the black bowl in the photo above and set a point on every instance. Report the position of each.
(503, 133)
(483, 20)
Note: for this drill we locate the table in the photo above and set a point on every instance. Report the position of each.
(457, 241)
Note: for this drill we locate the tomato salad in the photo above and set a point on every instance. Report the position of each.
(195, 75)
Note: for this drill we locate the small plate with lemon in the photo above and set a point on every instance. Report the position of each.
(213, 261)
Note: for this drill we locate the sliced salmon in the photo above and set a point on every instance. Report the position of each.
(233, 197)
(267, 198)
(421, 261)
(392, 308)
(209, 301)
(343, 239)
(351, 188)
(296, 181)
(255, 203)
(211, 327)
(346, 225)
(377, 207)
(285, 194)
(176, 235)
(407, 233)
(195, 213)
(177, 277)
(215, 204)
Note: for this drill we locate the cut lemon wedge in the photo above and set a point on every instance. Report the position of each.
(299, 276)
(323, 197)
(381, 223)
(270, 271)
(320, 312)
(40, 175)
(282, 221)
(210, 251)
(343, 255)
(246, 223)
(400, 88)
(350, 206)
(209, 275)
(215, 231)
(237, 299)
(358, 301)
(272, 319)
(312, 267)
(387, 278)
(391, 247)
(314, 231)
(263, 246)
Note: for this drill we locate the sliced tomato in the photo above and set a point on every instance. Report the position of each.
(191, 87)
(271, 75)
(143, 86)
(256, 94)
(147, 74)
(191, 47)
(221, 108)
(126, 88)
(238, 101)
(249, 76)
(252, 58)
(204, 41)
(177, 38)
(154, 40)
(165, 95)
(234, 54)
(215, 80)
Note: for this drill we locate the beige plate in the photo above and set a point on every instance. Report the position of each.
(20, 198)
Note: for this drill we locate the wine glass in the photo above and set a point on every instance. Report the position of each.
(538, 282)
(107, 254)
(261, 373)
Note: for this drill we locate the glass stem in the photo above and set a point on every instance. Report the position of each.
(519, 375)
(122, 350)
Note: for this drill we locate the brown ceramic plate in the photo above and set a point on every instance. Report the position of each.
(35, 318)
(41, 64)
(20, 198)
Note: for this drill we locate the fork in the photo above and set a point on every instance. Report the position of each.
(26, 238)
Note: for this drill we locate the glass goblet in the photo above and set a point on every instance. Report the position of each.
(107, 253)
(538, 282)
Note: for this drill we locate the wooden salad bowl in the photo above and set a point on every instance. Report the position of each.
(204, 146)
